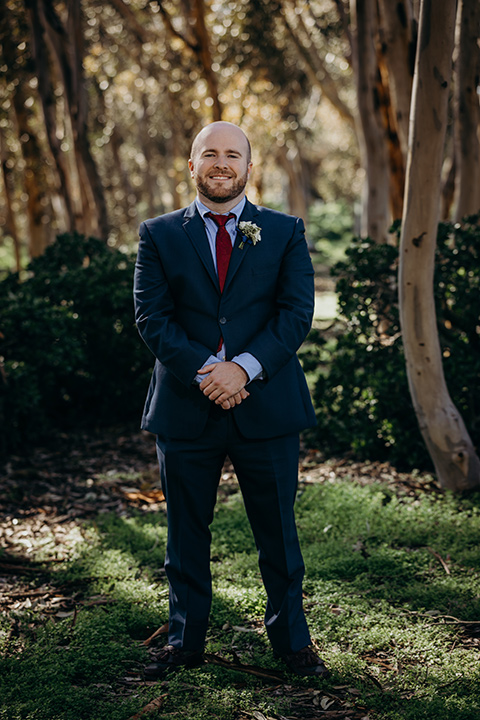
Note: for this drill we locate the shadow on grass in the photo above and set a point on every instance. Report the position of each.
(376, 598)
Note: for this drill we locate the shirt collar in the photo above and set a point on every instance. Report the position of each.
(237, 210)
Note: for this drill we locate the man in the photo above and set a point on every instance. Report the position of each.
(224, 298)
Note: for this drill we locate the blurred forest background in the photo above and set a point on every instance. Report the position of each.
(99, 102)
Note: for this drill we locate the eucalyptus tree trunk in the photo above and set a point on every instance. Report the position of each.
(196, 37)
(456, 464)
(49, 106)
(398, 44)
(38, 207)
(298, 182)
(315, 66)
(467, 109)
(371, 132)
(11, 224)
(205, 56)
(67, 53)
(78, 107)
(396, 63)
(396, 159)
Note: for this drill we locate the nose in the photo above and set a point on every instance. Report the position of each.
(221, 161)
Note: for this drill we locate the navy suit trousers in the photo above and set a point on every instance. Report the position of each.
(267, 471)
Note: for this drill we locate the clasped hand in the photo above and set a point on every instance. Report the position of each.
(224, 384)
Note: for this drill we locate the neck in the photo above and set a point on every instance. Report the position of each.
(220, 208)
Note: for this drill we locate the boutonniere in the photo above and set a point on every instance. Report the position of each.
(251, 233)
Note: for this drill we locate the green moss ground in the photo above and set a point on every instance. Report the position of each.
(392, 595)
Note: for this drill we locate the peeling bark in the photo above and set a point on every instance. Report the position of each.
(398, 40)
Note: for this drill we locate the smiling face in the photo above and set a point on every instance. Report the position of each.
(220, 165)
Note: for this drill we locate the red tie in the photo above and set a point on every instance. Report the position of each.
(223, 245)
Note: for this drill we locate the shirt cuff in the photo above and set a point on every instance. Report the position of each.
(212, 359)
(250, 364)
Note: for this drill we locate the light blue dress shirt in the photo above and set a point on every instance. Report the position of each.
(246, 360)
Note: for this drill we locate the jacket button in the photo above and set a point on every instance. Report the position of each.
(222, 320)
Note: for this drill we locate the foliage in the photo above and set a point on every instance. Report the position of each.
(330, 230)
(396, 629)
(361, 393)
(147, 75)
(70, 352)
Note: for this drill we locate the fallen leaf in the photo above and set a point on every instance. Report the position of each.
(150, 708)
(325, 702)
(161, 631)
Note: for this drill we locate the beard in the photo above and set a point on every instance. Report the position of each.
(221, 195)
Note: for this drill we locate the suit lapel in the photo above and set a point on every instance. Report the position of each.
(195, 229)
(249, 213)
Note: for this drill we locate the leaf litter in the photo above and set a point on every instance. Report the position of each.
(46, 496)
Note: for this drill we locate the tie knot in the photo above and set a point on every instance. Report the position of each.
(220, 220)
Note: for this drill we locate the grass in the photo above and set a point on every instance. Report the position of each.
(392, 596)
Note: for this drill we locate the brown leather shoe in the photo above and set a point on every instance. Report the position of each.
(305, 662)
(171, 658)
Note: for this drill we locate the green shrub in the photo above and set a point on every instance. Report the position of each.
(361, 393)
(330, 230)
(70, 352)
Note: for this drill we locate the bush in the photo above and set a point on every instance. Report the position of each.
(330, 230)
(70, 351)
(361, 393)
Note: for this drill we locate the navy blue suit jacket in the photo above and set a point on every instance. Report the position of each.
(266, 309)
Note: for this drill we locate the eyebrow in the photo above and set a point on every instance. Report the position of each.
(213, 150)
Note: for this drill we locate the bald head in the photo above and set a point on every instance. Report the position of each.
(220, 165)
(221, 130)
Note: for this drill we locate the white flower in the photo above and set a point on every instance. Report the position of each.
(251, 233)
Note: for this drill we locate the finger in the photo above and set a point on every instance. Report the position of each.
(206, 369)
(214, 393)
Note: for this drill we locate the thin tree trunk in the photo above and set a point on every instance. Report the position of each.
(49, 106)
(467, 109)
(371, 133)
(79, 113)
(456, 464)
(398, 41)
(39, 210)
(298, 200)
(67, 51)
(448, 186)
(11, 224)
(396, 160)
(196, 38)
(314, 65)
(205, 57)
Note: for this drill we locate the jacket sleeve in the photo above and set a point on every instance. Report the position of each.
(280, 338)
(154, 315)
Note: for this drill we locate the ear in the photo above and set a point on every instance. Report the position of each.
(190, 167)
